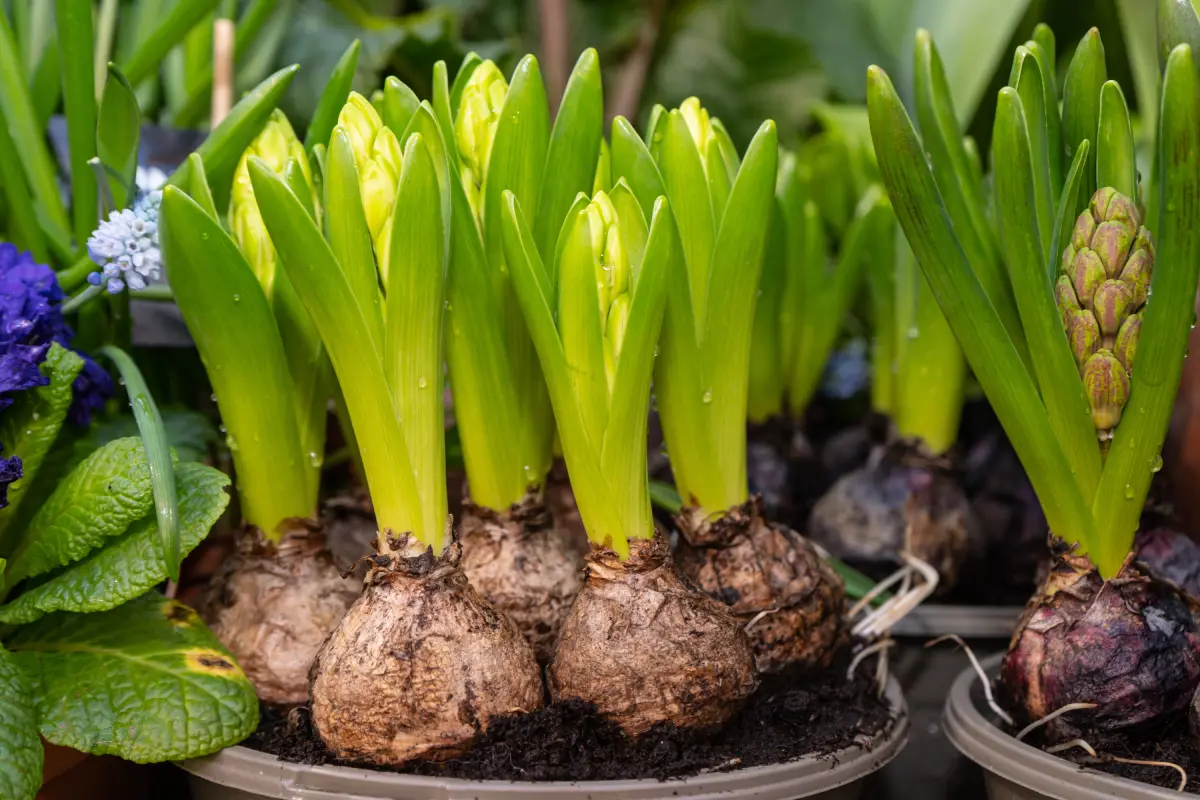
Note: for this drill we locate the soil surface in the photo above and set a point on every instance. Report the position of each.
(789, 716)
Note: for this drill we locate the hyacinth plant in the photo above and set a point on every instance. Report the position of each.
(722, 207)
(1084, 377)
(81, 554)
(505, 142)
(277, 600)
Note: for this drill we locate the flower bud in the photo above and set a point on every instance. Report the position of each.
(1125, 348)
(1107, 387)
(698, 122)
(1111, 242)
(1083, 334)
(1087, 273)
(1111, 306)
(608, 252)
(478, 115)
(361, 122)
(379, 178)
(1139, 267)
(614, 336)
(1108, 204)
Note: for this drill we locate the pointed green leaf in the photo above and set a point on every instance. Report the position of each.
(226, 143)
(1042, 48)
(1030, 87)
(983, 337)
(580, 327)
(399, 105)
(326, 293)
(416, 294)
(469, 63)
(733, 288)
(170, 31)
(1054, 365)
(424, 122)
(224, 307)
(632, 161)
(131, 564)
(333, 97)
(1133, 457)
(442, 108)
(117, 131)
(73, 22)
(134, 681)
(687, 190)
(23, 226)
(1081, 101)
(573, 151)
(1070, 204)
(1116, 159)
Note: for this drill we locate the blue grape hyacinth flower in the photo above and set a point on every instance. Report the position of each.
(125, 246)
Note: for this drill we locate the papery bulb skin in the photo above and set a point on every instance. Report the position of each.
(273, 605)
(790, 600)
(418, 665)
(525, 566)
(646, 648)
(1130, 645)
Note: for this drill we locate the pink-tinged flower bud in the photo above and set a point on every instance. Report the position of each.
(1111, 243)
(1125, 348)
(1111, 305)
(1107, 387)
(1087, 273)
(1083, 334)
(1109, 204)
(1081, 235)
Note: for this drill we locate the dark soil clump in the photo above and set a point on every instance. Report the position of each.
(791, 715)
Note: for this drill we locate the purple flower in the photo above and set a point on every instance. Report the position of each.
(10, 471)
(30, 321)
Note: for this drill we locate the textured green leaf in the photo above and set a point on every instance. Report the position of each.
(98, 500)
(1133, 456)
(130, 564)
(20, 744)
(224, 307)
(337, 89)
(117, 130)
(191, 434)
(226, 143)
(145, 681)
(29, 427)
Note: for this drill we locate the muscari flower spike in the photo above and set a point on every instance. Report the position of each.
(125, 246)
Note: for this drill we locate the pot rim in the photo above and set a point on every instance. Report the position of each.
(980, 739)
(257, 772)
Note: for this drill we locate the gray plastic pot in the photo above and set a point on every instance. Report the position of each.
(931, 620)
(1018, 771)
(239, 773)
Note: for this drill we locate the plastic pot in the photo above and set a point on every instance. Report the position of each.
(239, 773)
(1017, 771)
(931, 620)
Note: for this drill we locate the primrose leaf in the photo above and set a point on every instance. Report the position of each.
(131, 564)
(145, 681)
(29, 428)
(98, 500)
(20, 746)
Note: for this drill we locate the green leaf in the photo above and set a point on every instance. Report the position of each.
(1116, 159)
(224, 307)
(984, 340)
(170, 31)
(73, 21)
(665, 497)
(1031, 89)
(349, 235)
(325, 292)
(469, 63)
(29, 427)
(145, 681)
(28, 137)
(1054, 365)
(412, 358)
(337, 89)
(158, 456)
(1133, 456)
(687, 189)
(535, 294)
(23, 226)
(97, 501)
(1069, 204)
(729, 315)
(765, 396)
(225, 145)
(117, 133)
(441, 105)
(632, 161)
(623, 458)
(45, 86)
(399, 105)
(190, 434)
(963, 197)
(1043, 48)
(196, 185)
(130, 564)
(574, 149)
(424, 121)
(1081, 101)
(580, 327)
(20, 745)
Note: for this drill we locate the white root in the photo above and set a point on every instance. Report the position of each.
(1064, 710)
(754, 620)
(878, 589)
(983, 678)
(1080, 743)
(882, 619)
(871, 649)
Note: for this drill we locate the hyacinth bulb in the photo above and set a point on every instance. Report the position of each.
(1102, 288)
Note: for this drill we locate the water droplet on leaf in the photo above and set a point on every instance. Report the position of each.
(707, 396)
(1128, 492)
(422, 383)
(1156, 464)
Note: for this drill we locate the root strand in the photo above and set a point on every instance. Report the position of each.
(1065, 709)
(983, 678)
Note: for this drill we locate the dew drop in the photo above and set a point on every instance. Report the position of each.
(1156, 464)
(913, 332)
(121, 381)
(1128, 492)
(231, 442)
(237, 298)
(222, 429)
(707, 396)
(213, 397)
(422, 383)
(315, 458)
(28, 432)
(36, 416)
